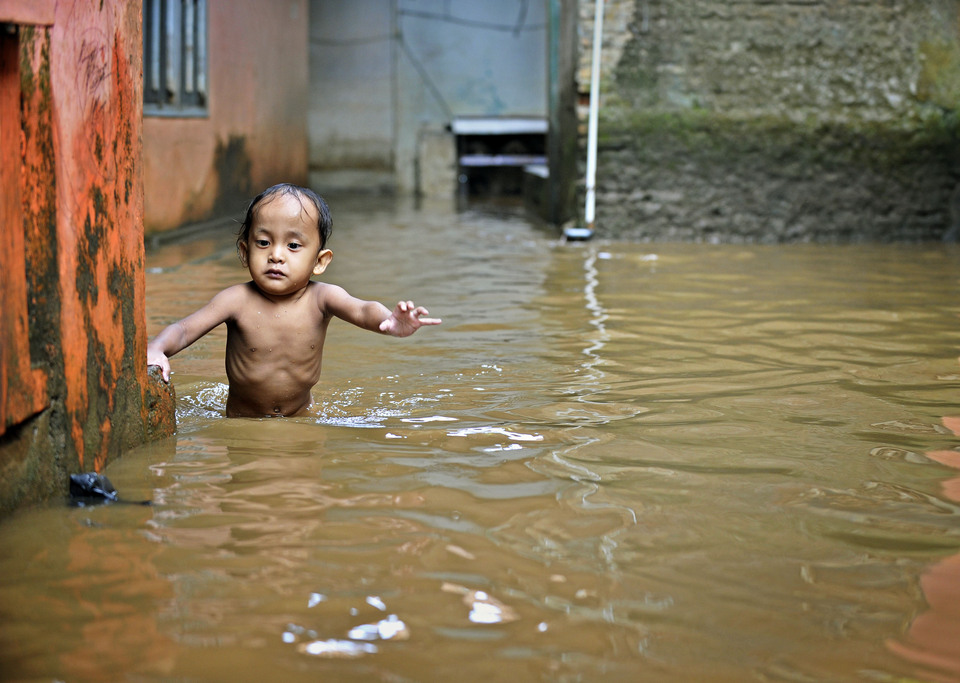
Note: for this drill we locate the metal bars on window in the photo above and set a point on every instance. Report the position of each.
(175, 57)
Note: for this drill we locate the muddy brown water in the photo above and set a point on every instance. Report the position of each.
(653, 462)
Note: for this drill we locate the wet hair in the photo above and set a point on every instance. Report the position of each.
(302, 194)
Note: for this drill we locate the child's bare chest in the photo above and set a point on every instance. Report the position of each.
(275, 327)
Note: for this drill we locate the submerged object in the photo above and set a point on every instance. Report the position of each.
(92, 485)
(93, 488)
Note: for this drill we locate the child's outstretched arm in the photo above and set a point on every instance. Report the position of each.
(183, 333)
(406, 319)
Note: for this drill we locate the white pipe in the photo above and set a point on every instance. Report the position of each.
(592, 122)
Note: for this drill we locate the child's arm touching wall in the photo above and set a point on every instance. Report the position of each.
(181, 334)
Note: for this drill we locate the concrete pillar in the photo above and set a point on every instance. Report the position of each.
(73, 344)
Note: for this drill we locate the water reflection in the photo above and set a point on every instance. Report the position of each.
(933, 639)
(77, 598)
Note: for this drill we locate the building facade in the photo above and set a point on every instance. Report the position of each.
(245, 128)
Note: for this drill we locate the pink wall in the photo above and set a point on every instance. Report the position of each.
(196, 169)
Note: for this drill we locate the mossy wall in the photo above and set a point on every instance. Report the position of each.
(74, 390)
(778, 120)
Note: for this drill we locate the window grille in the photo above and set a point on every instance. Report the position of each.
(175, 57)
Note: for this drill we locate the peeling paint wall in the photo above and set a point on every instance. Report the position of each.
(74, 346)
(95, 78)
(22, 386)
(255, 133)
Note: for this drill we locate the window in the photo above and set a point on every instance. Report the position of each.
(175, 57)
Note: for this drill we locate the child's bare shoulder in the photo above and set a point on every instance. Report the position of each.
(234, 298)
(324, 292)
(240, 292)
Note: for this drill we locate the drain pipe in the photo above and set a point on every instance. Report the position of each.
(586, 231)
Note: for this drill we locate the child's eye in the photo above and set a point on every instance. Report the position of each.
(293, 246)
(262, 243)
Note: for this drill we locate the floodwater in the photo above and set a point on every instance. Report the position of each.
(644, 462)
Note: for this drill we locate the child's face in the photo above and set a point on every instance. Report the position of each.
(282, 250)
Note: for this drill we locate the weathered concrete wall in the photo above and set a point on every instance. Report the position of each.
(255, 135)
(388, 78)
(72, 352)
(777, 120)
(351, 118)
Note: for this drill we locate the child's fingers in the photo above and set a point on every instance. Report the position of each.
(164, 371)
(421, 311)
(412, 310)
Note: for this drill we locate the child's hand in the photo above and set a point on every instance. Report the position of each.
(405, 320)
(159, 359)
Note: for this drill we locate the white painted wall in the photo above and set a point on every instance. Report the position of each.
(350, 118)
(384, 71)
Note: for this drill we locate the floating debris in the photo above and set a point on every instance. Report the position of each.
(93, 488)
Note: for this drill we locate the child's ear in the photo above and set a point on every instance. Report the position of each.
(242, 250)
(323, 260)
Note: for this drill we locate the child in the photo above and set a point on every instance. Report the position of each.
(277, 322)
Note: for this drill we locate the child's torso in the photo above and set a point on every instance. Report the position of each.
(274, 353)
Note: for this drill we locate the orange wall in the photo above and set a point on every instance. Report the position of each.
(96, 86)
(71, 206)
(196, 169)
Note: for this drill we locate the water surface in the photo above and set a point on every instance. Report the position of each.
(611, 462)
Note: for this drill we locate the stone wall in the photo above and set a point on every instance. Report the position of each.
(777, 120)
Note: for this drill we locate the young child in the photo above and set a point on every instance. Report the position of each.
(277, 322)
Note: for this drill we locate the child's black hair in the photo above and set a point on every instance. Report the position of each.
(324, 221)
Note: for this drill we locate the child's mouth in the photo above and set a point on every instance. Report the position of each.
(275, 273)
